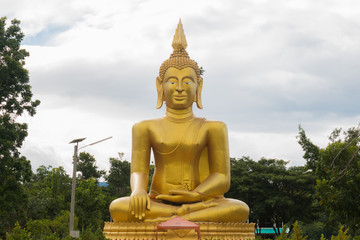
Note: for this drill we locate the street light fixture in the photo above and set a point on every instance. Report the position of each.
(73, 233)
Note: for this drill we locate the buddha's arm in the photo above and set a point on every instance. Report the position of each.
(140, 160)
(218, 181)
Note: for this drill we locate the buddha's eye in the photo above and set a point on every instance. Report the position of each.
(172, 81)
(187, 81)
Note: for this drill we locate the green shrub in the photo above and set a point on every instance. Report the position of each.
(283, 234)
(91, 234)
(297, 233)
(342, 235)
(18, 233)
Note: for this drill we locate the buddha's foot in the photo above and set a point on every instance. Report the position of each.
(159, 219)
(193, 207)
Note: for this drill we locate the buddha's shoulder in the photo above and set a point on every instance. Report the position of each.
(151, 123)
(146, 124)
(215, 125)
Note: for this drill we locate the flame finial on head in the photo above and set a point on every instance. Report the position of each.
(179, 59)
(179, 41)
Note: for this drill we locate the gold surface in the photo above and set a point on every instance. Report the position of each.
(192, 167)
(147, 231)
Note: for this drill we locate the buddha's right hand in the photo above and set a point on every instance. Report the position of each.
(139, 202)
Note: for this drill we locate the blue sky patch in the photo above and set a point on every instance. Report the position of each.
(44, 37)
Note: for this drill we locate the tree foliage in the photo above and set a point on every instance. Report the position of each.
(318, 227)
(49, 193)
(15, 95)
(56, 229)
(337, 168)
(90, 203)
(297, 233)
(15, 99)
(18, 233)
(87, 167)
(275, 194)
(119, 178)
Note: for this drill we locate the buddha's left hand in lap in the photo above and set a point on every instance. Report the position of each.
(181, 196)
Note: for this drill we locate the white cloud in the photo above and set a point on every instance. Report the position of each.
(270, 65)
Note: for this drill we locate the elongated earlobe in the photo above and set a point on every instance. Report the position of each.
(160, 91)
(198, 93)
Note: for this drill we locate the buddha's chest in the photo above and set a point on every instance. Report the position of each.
(167, 137)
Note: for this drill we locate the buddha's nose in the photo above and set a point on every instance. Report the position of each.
(179, 88)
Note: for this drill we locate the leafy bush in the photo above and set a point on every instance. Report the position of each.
(18, 233)
(45, 229)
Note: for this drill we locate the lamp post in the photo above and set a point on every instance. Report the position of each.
(72, 205)
(73, 233)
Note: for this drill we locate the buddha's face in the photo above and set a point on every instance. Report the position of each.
(179, 87)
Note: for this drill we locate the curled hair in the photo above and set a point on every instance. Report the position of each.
(179, 59)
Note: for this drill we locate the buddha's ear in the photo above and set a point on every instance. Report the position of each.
(198, 93)
(160, 91)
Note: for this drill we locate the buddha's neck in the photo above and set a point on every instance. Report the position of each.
(179, 114)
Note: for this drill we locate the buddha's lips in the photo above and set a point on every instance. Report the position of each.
(179, 98)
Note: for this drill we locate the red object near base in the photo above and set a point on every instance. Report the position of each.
(178, 223)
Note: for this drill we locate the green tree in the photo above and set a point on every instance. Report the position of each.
(49, 193)
(297, 233)
(283, 234)
(337, 168)
(315, 229)
(275, 194)
(15, 99)
(18, 233)
(119, 178)
(86, 165)
(342, 235)
(92, 234)
(90, 203)
(45, 229)
(58, 228)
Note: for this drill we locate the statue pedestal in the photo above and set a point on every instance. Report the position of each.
(147, 231)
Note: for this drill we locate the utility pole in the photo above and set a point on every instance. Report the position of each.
(73, 233)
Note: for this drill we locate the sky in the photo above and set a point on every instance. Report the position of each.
(270, 66)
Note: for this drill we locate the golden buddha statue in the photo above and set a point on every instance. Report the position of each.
(192, 166)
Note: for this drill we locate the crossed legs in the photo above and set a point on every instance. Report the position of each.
(215, 210)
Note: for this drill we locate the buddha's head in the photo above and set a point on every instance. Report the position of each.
(179, 83)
